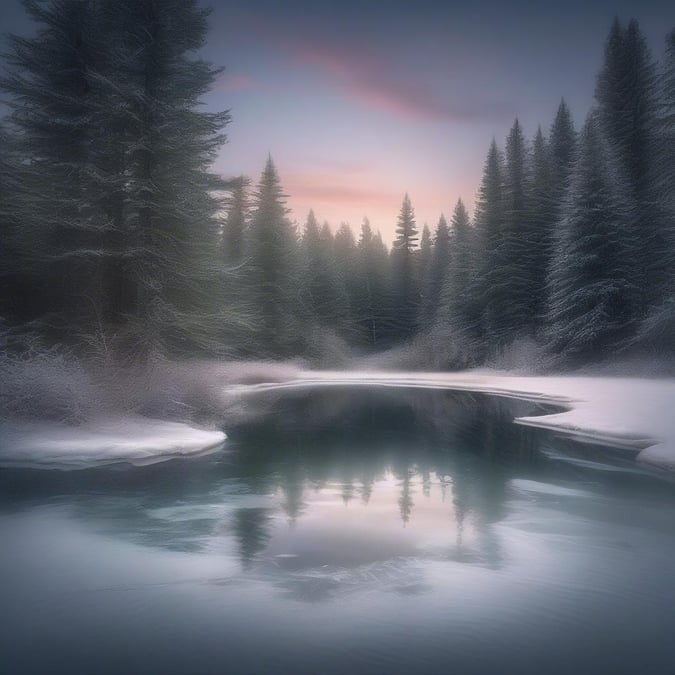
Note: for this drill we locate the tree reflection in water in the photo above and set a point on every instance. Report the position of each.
(429, 444)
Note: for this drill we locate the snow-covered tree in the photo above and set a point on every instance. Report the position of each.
(593, 296)
(626, 98)
(658, 328)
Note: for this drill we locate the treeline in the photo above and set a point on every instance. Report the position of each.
(571, 247)
(115, 232)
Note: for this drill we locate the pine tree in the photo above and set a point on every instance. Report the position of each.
(659, 327)
(489, 222)
(456, 301)
(562, 142)
(107, 95)
(665, 131)
(15, 296)
(50, 122)
(543, 212)
(371, 307)
(440, 256)
(405, 286)
(424, 256)
(514, 273)
(346, 266)
(272, 282)
(625, 94)
(592, 290)
(169, 147)
(322, 290)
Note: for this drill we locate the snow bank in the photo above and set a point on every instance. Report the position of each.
(133, 439)
(624, 412)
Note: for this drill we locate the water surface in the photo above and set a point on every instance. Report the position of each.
(346, 531)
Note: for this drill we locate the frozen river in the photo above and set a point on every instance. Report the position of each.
(346, 531)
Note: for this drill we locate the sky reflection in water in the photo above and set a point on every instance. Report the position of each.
(351, 531)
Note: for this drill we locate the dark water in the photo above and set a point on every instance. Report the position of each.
(353, 531)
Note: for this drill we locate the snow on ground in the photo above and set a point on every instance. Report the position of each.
(133, 439)
(619, 411)
(635, 413)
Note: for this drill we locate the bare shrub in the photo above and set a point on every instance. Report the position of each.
(46, 383)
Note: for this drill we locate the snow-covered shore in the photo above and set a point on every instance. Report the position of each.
(625, 412)
(134, 439)
(628, 412)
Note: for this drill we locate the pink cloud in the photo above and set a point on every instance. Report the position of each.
(366, 80)
(335, 188)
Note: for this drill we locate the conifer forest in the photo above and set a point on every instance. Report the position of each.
(118, 237)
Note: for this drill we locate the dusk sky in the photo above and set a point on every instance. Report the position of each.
(359, 102)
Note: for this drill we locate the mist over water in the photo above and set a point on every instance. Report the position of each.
(346, 530)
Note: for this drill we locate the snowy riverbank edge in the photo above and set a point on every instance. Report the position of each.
(132, 439)
(626, 412)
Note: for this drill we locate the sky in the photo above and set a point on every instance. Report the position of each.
(359, 102)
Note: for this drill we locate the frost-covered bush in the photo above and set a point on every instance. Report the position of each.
(186, 391)
(53, 383)
(440, 349)
(45, 383)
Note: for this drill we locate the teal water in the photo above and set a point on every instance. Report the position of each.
(346, 531)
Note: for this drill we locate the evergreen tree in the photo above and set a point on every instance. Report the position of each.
(489, 222)
(515, 271)
(438, 266)
(592, 290)
(322, 290)
(118, 156)
(19, 288)
(405, 286)
(423, 273)
(456, 301)
(543, 212)
(625, 95)
(372, 306)
(169, 146)
(659, 327)
(562, 141)
(385, 291)
(272, 282)
(50, 92)
(312, 279)
(346, 265)
(665, 131)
